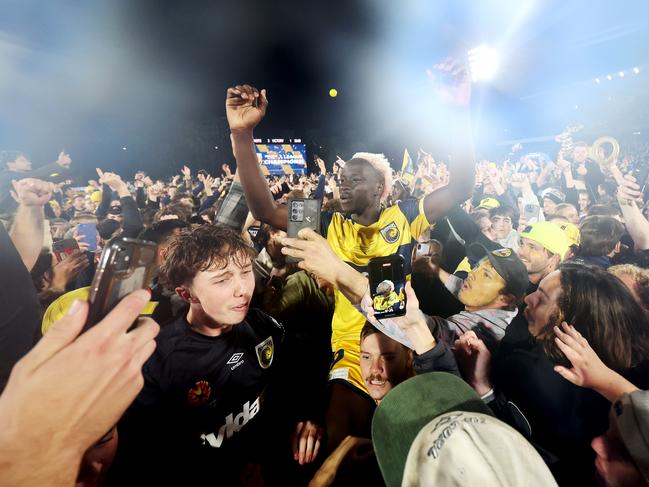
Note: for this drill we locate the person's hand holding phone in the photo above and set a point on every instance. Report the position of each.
(75, 387)
(68, 269)
(413, 322)
(629, 191)
(314, 253)
(83, 246)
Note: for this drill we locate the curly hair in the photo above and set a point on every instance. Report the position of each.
(205, 248)
(382, 166)
(640, 278)
(603, 310)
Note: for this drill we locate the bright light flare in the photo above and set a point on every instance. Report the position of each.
(483, 63)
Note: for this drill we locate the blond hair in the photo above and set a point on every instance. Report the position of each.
(382, 166)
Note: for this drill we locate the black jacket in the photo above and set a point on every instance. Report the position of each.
(563, 418)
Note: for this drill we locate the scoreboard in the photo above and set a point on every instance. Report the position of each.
(281, 156)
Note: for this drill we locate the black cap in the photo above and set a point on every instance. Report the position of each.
(507, 265)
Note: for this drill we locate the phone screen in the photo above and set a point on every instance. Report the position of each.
(387, 286)
(88, 233)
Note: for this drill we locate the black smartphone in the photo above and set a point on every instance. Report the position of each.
(640, 174)
(302, 213)
(126, 265)
(387, 286)
(64, 248)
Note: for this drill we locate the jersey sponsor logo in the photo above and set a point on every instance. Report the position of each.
(233, 424)
(390, 233)
(199, 393)
(265, 352)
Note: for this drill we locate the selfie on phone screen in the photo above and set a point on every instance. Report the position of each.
(387, 286)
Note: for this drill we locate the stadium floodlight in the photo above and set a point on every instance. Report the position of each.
(609, 77)
(621, 74)
(597, 81)
(483, 63)
(636, 70)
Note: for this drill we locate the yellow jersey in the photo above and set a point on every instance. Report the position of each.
(396, 231)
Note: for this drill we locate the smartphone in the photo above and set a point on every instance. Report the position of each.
(126, 265)
(428, 248)
(640, 174)
(531, 212)
(387, 286)
(64, 248)
(88, 231)
(302, 213)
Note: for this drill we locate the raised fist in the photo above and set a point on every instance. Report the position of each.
(64, 160)
(245, 107)
(451, 81)
(32, 192)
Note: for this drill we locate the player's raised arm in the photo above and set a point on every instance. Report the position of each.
(453, 85)
(245, 107)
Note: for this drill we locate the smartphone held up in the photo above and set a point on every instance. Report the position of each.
(302, 213)
(126, 265)
(387, 286)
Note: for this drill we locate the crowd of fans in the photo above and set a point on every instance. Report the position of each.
(521, 359)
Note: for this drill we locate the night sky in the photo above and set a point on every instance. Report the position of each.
(151, 75)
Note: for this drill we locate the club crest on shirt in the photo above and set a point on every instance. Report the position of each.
(199, 393)
(390, 233)
(502, 252)
(338, 356)
(265, 352)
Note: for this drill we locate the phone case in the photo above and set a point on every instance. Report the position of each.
(302, 213)
(89, 232)
(62, 248)
(125, 266)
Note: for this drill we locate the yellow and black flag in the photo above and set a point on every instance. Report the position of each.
(407, 168)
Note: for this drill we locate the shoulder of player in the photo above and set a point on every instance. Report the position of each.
(409, 206)
(262, 322)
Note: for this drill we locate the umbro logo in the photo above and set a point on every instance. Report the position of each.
(235, 358)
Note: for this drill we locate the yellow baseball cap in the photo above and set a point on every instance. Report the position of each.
(489, 203)
(572, 232)
(60, 306)
(95, 196)
(549, 235)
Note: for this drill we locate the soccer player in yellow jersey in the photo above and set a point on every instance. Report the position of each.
(365, 229)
